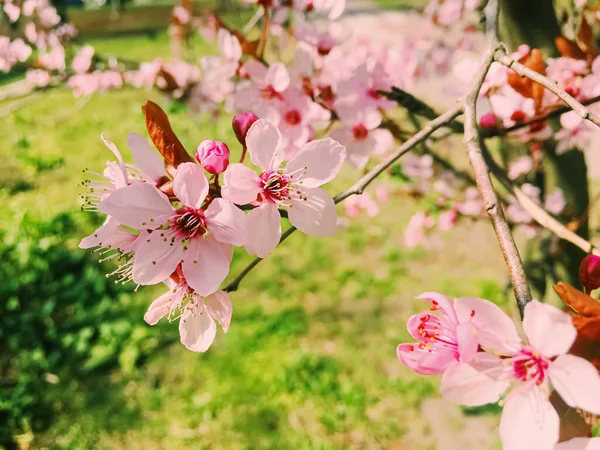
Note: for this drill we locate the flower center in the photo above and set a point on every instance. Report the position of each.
(429, 331)
(360, 132)
(372, 92)
(269, 93)
(292, 117)
(188, 223)
(518, 116)
(276, 186)
(528, 365)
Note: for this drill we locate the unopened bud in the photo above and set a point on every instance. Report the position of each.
(213, 155)
(241, 124)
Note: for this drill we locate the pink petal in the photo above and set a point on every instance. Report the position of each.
(145, 157)
(358, 153)
(440, 302)
(314, 216)
(415, 321)
(139, 205)
(476, 383)
(548, 329)
(240, 184)
(110, 234)
(383, 141)
(197, 328)
(226, 222)
(229, 45)
(156, 259)
(256, 70)
(159, 308)
(529, 422)
(495, 329)
(264, 230)
(317, 162)
(190, 185)
(371, 118)
(467, 340)
(579, 443)
(263, 141)
(278, 77)
(423, 361)
(219, 305)
(122, 179)
(205, 265)
(577, 381)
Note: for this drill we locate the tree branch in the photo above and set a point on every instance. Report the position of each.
(361, 184)
(480, 168)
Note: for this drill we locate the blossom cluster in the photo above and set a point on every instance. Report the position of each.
(483, 359)
(179, 226)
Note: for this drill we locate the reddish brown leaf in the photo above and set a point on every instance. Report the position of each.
(250, 47)
(569, 48)
(524, 85)
(586, 39)
(163, 136)
(581, 303)
(587, 344)
(572, 424)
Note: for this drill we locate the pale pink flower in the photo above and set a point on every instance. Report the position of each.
(181, 14)
(414, 233)
(447, 220)
(362, 87)
(263, 94)
(579, 443)
(198, 315)
(197, 235)
(515, 211)
(294, 187)
(416, 166)
(555, 202)
(520, 166)
(575, 133)
(84, 84)
(83, 59)
(12, 11)
(146, 75)
(53, 60)
(323, 41)
(354, 204)
(37, 77)
(359, 133)
(529, 420)
(48, 17)
(590, 86)
(442, 340)
(108, 80)
(473, 204)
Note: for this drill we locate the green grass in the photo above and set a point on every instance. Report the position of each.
(309, 361)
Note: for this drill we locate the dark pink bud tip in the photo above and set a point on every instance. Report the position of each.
(241, 124)
(213, 155)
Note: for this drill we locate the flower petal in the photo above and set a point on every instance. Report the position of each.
(226, 222)
(220, 307)
(156, 259)
(197, 328)
(423, 361)
(139, 206)
(529, 422)
(317, 162)
(263, 141)
(278, 77)
(548, 329)
(205, 265)
(159, 308)
(109, 235)
(495, 329)
(264, 230)
(241, 185)
(145, 157)
(475, 383)
(580, 443)
(577, 381)
(190, 184)
(314, 213)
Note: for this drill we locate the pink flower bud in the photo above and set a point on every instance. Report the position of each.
(213, 155)
(589, 273)
(488, 120)
(241, 124)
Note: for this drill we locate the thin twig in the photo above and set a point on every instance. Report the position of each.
(539, 214)
(549, 84)
(480, 168)
(358, 187)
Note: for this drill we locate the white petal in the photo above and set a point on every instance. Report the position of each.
(264, 230)
(314, 213)
(317, 162)
(548, 329)
(263, 141)
(220, 307)
(226, 222)
(190, 184)
(577, 381)
(145, 157)
(197, 328)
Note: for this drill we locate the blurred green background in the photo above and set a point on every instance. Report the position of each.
(309, 361)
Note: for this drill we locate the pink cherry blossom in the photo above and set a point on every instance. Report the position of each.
(520, 166)
(359, 133)
(197, 235)
(579, 444)
(83, 59)
(54, 60)
(442, 340)
(294, 186)
(335, 7)
(12, 11)
(364, 202)
(322, 41)
(263, 92)
(473, 204)
(241, 123)
(362, 87)
(198, 315)
(37, 77)
(529, 420)
(416, 166)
